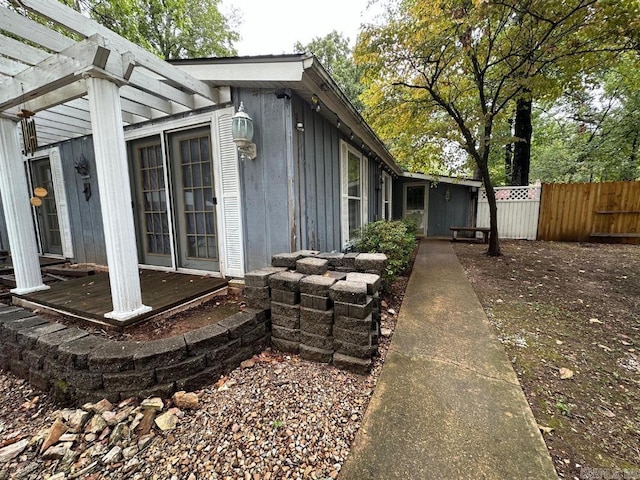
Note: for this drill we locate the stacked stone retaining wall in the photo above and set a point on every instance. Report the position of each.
(324, 306)
(79, 367)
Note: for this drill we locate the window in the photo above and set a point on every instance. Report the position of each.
(354, 191)
(386, 196)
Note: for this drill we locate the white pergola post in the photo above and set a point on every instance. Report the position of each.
(17, 212)
(115, 197)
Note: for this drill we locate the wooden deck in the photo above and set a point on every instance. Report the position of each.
(89, 298)
(6, 267)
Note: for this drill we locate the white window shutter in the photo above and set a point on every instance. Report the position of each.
(231, 239)
(62, 205)
(344, 190)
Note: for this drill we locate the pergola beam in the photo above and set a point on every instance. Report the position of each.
(12, 48)
(78, 23)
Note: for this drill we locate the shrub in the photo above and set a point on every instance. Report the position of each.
(394, 239)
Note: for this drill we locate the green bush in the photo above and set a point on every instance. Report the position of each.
(394, 239)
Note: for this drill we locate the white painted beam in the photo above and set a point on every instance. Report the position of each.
(17, 212)
(62, 95)
(57, 71)
(20, 51)
(115, 198)
(10, 67)
(80, 24)
(23, 27)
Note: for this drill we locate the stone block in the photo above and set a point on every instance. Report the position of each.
(289, 281)
(260, 344)
(50, 343)
(217, 356)
(257, 293)
(349, 260)
(12, 350)
(352, 364)
(158, 353)
(316, 285)
(4, 361)
(33, 359)
(311, 315)
(94, 396)
(237, 358)
(360, 338)
(206, 339)
(285, 345)
(371, 262)
(358, 351)
(318, 355)
(27, 337)
(287, 260)
(324, 329)
(315, 302)
(113, 357)
(308, 253)
(164, 390)
(239, 324)
(263, 304)
(84, 380)
(55, 369)
(261, 315)
(357, 324)
(334, 258)
(349, 292)
(39, 379)
(206, 377)
(250, 337)
(8, 314)
(12, 327)
(312, 266)
(281, 309)
(77, 352)
(128, 381)
(352, 310)
(372, 280)
(260, 278)
(291, 334)
(18, 367)
(285, 296)
(316, 341)
(336, 275)
(183, 369)
(285, 321)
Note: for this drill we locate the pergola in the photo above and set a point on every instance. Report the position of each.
(95, 85)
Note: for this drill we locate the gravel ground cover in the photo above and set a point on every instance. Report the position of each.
(276, 416)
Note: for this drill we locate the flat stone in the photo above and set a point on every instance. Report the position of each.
(154, 403)
(239, 324)
(316, 285)
(113, 456)
(356, 365)
(260, 277)
(10, 452)
(288, 281)
(113, 357)
(315, 354)
(349, 292)
(307, 253)
(349, 260)
(312, 266)
(160, 353)
(56, 452)
(27, 337)
(146, 422)
(102, 406)
(206, 339)
(120, 431)
(55, 432)
(287, 260)
(335, 275)
(316, 341)
(334, 258)
(166, 421)
(129, 452)
(184, 400)
(96, 425)
(372, 280)
(371, 262)
(76, 352)
(78, 419)
(50, 343)
(10, 328)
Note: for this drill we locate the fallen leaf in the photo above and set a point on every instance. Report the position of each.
(565, 373)
(544, 429)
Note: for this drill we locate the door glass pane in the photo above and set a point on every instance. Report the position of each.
(153, 195)
(354, 216)
(47, 213)
(415, 198)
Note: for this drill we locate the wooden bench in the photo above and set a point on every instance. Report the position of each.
(484, 230)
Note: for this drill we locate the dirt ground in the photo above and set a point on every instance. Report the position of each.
(568, 315)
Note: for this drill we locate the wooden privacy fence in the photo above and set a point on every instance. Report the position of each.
(583, 212)
(517, 211)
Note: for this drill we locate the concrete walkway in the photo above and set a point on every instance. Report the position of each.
(448, 404)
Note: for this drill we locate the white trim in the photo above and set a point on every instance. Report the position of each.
(169, 203)
(162, 126)
(387, 182)
(443, 179)
(345, 149)
(60, 192)
(426, 203)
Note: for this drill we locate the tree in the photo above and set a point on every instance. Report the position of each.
(171, 29)
(442, 73)
(336, 56)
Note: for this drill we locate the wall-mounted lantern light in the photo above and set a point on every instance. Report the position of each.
(242, 133)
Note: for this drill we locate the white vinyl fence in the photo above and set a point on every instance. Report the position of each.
(518, 211)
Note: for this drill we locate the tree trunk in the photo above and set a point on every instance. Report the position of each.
(522, 148)
(508, 158)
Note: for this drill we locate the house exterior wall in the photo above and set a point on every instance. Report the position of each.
(448, 210)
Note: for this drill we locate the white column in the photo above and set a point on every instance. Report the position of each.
(115, 198)
(17, 212)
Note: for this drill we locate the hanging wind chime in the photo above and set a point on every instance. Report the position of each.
(29, 136)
